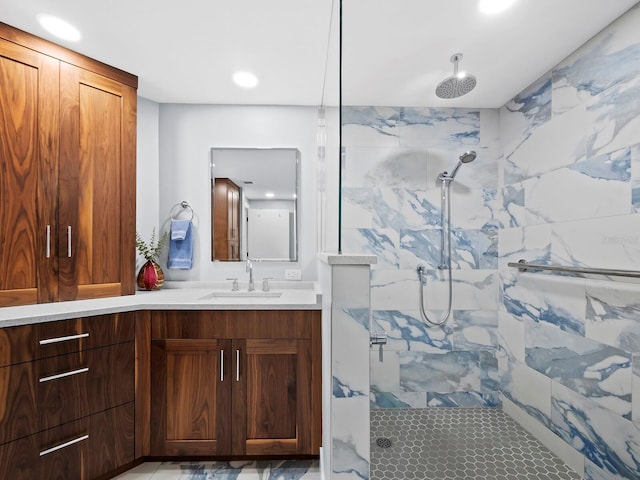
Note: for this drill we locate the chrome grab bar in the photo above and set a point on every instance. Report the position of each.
(524, 266)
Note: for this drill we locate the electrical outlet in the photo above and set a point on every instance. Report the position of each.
(292, 274)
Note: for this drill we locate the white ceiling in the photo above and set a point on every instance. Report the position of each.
(394, 52)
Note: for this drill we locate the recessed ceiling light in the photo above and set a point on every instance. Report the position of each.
(245, 79)
(269, 195)
(59, 27)
(494, 6)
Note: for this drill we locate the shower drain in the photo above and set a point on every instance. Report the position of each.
(383, 442)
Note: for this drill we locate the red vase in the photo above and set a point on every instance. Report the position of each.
(150, 276)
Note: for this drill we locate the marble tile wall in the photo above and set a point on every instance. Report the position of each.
(392, 208)
(569, 345)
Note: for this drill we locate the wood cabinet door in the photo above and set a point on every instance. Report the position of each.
(191, 392)
(28, 175)
(96, 234)
(272, 397)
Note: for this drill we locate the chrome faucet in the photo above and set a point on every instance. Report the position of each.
(250, 270)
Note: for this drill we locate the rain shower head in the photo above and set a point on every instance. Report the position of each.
(466, 157)
(456, 85)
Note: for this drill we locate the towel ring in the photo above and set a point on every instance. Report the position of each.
(183, 206)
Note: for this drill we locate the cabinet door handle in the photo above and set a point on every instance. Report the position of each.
(64, 374)
(69, 241)
(48, 341)
(222, 365)
(237, 365)
(48, 245)
(63, 445)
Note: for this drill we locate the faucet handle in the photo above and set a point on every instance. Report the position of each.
(265, 284)
(235, 287)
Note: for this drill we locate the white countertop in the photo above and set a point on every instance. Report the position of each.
(174, 296)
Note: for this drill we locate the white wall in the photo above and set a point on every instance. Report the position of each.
(148, 168)
(186, 135)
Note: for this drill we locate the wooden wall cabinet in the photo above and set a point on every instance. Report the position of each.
(235, 383)
(67, 181)
(226, 210)
(67, 398)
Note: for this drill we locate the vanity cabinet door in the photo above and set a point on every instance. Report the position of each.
(191, 392)
(28, 175)
(97, 185)
(272, 397)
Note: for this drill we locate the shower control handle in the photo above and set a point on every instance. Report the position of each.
(380, 339)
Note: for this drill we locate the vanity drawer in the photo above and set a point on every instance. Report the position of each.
(19, 459)
(67, 336)
(78, 384)
(88, 448)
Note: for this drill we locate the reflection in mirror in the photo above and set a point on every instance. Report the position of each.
(254, 204)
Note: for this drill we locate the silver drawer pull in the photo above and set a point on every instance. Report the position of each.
(69, 241)
(222, 365)
(237, 365)
(63, 339)
(63, 445)
(65, 374)
(48, 246)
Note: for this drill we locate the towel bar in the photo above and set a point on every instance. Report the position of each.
(524, 266)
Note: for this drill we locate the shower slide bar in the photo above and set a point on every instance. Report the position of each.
(524, 266)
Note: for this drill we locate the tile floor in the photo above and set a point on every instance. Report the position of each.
(240, 470)
(458, 444)
(424, 444)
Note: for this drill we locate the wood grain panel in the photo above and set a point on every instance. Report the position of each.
(96, 179)
(40, 45)
(19, 459)
(102, 330)
(316, 382)
(143, 384)
(17, 344)
(66, 463)
(18, 412)
(108, 382)
(111, 441)
(190, 409)
(28, 152)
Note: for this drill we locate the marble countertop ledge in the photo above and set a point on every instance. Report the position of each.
(347, 259)
(174, 296)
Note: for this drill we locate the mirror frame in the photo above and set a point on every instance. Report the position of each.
(243, 257)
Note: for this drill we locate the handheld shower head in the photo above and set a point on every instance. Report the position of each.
(467, 157)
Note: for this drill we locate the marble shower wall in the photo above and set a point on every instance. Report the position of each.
(569, 346)
(391, 208)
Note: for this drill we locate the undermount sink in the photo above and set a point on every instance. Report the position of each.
(241, 294)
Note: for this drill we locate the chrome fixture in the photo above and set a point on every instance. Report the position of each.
(234, 286)
(378, 338)
(458, 84)
(250, 270)
(445, 180)
(525, 266)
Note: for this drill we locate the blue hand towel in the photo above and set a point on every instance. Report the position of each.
(181, 245)
(179, 229)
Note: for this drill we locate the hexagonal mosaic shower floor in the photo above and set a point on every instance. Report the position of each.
(458, 444)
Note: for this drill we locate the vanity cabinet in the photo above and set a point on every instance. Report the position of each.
(67, 189)
(226, 220)
(235, 383)
(67, 397)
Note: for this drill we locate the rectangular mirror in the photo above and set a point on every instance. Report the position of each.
(254, 204)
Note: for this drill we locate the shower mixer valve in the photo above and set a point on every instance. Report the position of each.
(378, 338)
